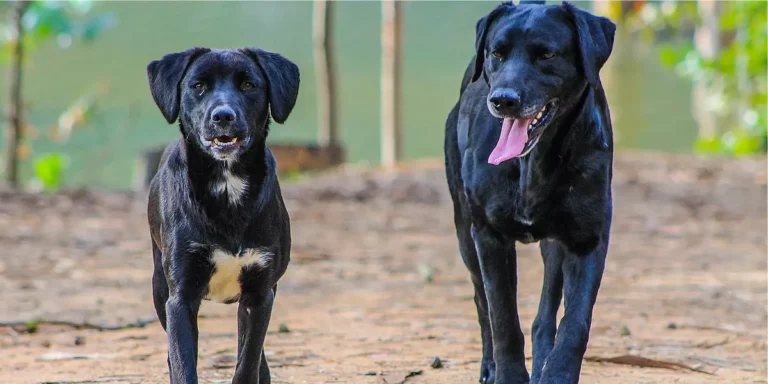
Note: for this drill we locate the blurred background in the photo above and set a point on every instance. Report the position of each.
(376, 291)
(684, 76)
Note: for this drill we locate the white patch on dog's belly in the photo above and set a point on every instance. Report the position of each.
(224, 285)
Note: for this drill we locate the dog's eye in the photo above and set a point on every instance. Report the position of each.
(200, 86)
(246, 86)
(496, 54)
(547, 55)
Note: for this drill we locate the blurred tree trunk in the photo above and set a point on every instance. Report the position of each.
(707, 42)
(391, 14)
(13, 120)
(325, 72)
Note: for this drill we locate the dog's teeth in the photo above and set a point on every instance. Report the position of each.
(539, 115)
(216, 140)
(234, 140)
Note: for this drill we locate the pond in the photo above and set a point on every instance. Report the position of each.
(650, 105)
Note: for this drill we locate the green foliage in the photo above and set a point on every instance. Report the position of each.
(31, 326)
(48, 170)
(66, 22)
(736, 78)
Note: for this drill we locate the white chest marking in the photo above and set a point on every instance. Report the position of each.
(525, 221)
(230, 184)
(224, 285)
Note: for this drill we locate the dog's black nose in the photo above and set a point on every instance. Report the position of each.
(223, 115)
(506, 101)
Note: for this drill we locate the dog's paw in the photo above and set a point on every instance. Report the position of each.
(511, 374)
(487, 372)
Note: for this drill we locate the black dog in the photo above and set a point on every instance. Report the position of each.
(529, 151)
(220, 230)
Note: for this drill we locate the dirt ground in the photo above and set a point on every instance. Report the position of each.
(376, 288)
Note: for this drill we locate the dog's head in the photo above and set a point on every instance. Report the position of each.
(223, 98)
(537, 59)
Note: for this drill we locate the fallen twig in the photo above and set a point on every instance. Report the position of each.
(106, 379)
(644, 362)
(32, 325)
(717, 329)
(60, 355)
(708, 345)
(400, 378)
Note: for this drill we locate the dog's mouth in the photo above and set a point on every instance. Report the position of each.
(224, 142)
(520, 135)
(223, 145)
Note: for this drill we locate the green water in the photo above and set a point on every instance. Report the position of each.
(650, 104)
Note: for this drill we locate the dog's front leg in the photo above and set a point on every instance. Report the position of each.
(187, 280)
(498, 264)
(253, 317)
(182, 332)
(545, 324)
(582, 275)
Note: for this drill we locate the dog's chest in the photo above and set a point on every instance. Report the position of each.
(229, 185)
(225, 283)
(514, 205)
(515, 215)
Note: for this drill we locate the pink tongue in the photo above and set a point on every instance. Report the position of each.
(514, 134)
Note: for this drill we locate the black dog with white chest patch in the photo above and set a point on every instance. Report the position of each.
(529, 152)
(220, 230)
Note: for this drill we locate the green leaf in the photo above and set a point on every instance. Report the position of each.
(731, 19)
(48, 169)
(709, 145)
(93, 28)
(669, 55)
(745, 144)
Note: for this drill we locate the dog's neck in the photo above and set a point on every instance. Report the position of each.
(234, 183)
(567, 133)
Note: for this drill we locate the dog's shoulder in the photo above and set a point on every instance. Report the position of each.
(174, 157)
(173, 166)
(270, 188)
(170, 185)
(467, 76)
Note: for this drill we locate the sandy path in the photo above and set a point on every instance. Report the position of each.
(376, 288)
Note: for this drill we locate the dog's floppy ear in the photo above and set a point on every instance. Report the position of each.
(481, 30)
(595, 36)
(283, 81)
(164, 78)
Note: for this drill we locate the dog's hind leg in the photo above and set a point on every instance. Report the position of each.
(253, 317)
(160, 290)
(264, 376)
(582, 275)
(545, 324)
(159, 285)
(498, 263)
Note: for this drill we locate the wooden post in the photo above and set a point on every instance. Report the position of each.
(391, 14)
(13, 120)
(707, 41)
(325, 73)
